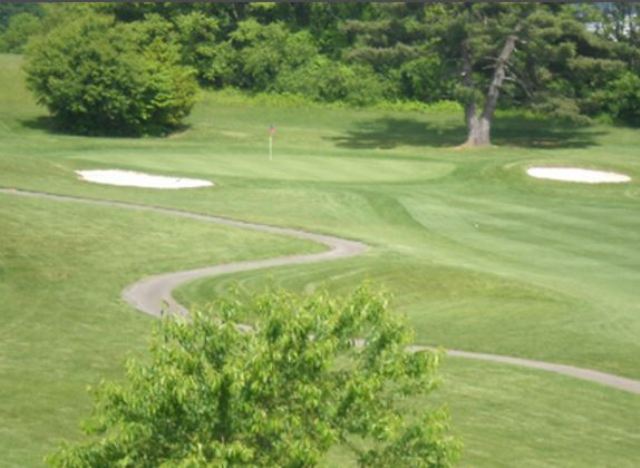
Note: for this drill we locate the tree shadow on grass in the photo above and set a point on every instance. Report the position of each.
(529, 132)
(42, 122)
(48, 124)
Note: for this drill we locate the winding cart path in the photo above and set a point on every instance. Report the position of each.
(152, 295)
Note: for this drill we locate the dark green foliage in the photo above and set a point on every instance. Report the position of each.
(9, 10)
(621, 99)
(216, 393)
(266, 50)
(519, 55)
(20, 28)
(565, 56)
(97, 77)
(425, 79)
(199, 36)
(326, 80)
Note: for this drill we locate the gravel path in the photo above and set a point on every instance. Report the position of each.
(152, 295)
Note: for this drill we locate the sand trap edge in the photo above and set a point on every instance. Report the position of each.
(577, 175)
(123, 178)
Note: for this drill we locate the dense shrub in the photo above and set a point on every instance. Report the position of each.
(220, 68)
(97, 77)
(20, 28)
(325, 80)
(263, 51)
(198, 35)
(560, 108)
(424, 79)
(9, 10)
(622, 99)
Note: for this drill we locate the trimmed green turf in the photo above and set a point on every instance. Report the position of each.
(510, 417)
(479, 256)
(63, 266)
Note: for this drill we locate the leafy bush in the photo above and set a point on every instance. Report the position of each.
(622, 99)
(563, 109)
(222, 66)
(97, 77)
(425, 79)
(20, 28)
(215, 393)
(325, 80)
(198, 35)
(10, 9)
(265, 50)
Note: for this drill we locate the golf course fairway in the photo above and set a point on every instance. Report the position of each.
(479, 256)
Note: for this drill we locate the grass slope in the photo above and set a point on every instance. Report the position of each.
(64, 325)
(511, 417)
(479, 256)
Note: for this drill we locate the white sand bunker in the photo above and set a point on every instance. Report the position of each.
(574, 174)
(140, 179)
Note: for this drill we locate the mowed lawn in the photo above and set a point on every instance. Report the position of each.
(64, 326)
(479, 257)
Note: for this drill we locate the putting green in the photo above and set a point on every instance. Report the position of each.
(286, 166)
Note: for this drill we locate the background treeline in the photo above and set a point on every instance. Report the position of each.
(367, 53)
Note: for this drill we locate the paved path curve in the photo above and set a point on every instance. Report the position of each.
(152, 295)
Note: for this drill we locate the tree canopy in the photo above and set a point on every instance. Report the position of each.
(310, 373)
(572, 62)
(540, 56)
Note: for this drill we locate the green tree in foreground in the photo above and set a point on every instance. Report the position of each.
(311, 372)
(97, 77)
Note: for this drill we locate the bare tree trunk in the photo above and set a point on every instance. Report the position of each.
(475, 127)
(479, 126)
(479, 131)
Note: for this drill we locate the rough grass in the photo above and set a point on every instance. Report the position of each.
(479, 256)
